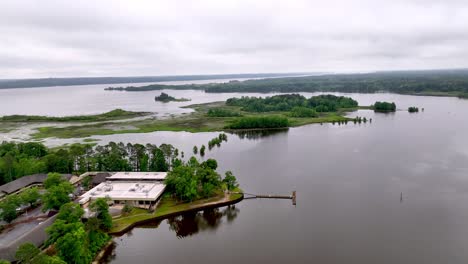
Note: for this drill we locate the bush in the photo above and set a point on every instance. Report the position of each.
(299, 111)
(413, 109)
(384, 107)
(259, 122)
(221, 112)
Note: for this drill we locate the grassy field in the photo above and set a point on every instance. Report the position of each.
(168, 207)
(197, 121)
(116, 114)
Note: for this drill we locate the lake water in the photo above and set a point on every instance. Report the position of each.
(93, 99)
(348, 180)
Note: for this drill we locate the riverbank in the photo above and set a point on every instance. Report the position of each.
(168, 207)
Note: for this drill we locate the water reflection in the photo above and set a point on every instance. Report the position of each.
(192, 223)
(258, 134)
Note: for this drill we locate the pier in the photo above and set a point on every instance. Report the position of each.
(272, 196)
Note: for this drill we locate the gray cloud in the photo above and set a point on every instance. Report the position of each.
(120, 38)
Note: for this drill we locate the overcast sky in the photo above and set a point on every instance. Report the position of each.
(60, 38)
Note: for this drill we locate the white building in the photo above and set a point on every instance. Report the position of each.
(139, 189)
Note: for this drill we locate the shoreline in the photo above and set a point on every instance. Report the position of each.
(224, 201)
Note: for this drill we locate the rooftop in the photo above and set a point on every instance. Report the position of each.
(123, 190)
(155, 176)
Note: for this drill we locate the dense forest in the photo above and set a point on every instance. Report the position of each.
(432, 82)
(20, 159)
(286, 102)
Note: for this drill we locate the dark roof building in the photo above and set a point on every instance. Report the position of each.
(25, 181)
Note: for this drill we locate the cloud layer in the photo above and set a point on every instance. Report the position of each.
(50, 38)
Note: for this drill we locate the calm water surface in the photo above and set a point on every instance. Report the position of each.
(348, 178)
(93, 99)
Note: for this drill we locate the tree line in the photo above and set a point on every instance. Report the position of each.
(442, 81)
(287, 102)
(20, 159)
(259, 122)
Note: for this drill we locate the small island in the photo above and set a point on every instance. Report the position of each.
(384, 107)
(413, 109)
(165, 98)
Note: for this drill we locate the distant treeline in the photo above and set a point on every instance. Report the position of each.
(434, 82)
(411, 82)
(44, 82)
(287, 102)
(20, 159)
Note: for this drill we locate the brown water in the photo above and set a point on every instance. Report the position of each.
(348, 179)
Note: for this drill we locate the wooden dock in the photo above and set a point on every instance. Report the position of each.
(273, 196)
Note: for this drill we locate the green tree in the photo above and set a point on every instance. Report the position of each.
(181, 182)
(45, 259)
(77, 152)
(195, 150)
(202, 150)
(72, 247)
(211, 163)
(59, 228)
(101, 210)
(86, 182)
(57, 195)
(53, 179)
(7, 163)
(160, 163)
(33, 149)
(8, 208)
(59, 161)
(30, 196)
(230, 181)
(70, 212)
(26, 252)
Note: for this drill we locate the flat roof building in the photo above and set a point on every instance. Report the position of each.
(139, 189)
(139, 176)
